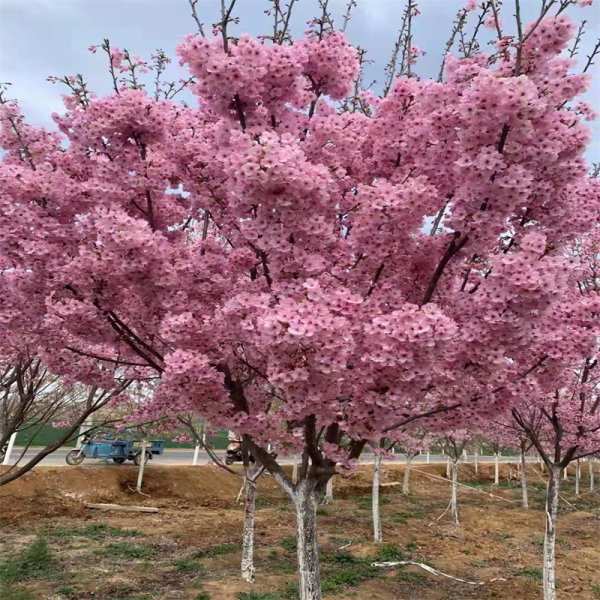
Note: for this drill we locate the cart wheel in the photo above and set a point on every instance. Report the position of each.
(75, 457)
(119, 460)
(137, 459)
(2, 455)
(229, 460)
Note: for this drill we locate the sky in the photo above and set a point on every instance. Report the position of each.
(39, 38)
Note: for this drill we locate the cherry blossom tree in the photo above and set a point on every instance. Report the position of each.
(311, 274)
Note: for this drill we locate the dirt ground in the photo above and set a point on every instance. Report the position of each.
(52, 547)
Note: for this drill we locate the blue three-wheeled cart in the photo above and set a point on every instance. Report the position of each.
(116, 449)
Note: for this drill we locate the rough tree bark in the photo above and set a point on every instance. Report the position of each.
(577, 476)
(375, 499)
(525, 502)
(406, 483)
(247, 567)
(591, 465)
(453, 495)
(328, 499)
(552, 493)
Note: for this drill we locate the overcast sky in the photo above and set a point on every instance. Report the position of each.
(50, 37)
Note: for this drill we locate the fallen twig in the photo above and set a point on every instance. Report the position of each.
(131, 508)
(434, 571)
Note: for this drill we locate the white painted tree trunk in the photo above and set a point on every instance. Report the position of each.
(406, 483)
(454, 493)
(142, 466)
(85, 426)
(577, 476)
(295, 469)
(565, 474)
(428, 456)
(306, 500)
(448, 467)
(552, 492)
(196, 453)
(591, 466)
(9, 448)
(525, 502)
(475, 458)
(248, 535)
(375, 498)
(496, 469)
(328, 499)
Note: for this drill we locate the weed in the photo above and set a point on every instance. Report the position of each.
(403, 517)
(366, 502)
(465, 552)
(35, 562)
(188, 566)
(389, 552)
(534, 574)
(412, 546)
(290, 592)
(10, 592)
(125, 550)
(255, 596)
(66, 590)
(336, 578)
(262, 502)
(501, 537)
(94, 531)
(217, 550)
(416, 579)
(321, 512)
(203, 596)
(289, 543)
(596, 590)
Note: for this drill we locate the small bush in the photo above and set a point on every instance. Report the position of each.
(389, 553)
(35, 562)
(217, 550)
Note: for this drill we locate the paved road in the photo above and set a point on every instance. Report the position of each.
(185, 457)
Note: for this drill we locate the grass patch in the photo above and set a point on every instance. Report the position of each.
(188, 566)
(501, 537)
(9, 592)
(366, 502)
(412, 578)
(125, 550)
(95, 531)
(412, 546)
(389, 553)
(321, 512)
(255, 596)
(289, 543)
(262, 502)
(596, 590)
(203, 596)
(34, 562)
(403, 517)
(533, 574)
(218, 550)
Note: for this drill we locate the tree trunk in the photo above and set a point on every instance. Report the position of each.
(577, 476)
(524, 479)
(375, 497)
(565, 474)
(328, 499)
(552, 493)
(196, 453)
(248, 536)
(453, 497)
(295, 469)
(406, 484)
(496, 469)
(448, 467)
(140, 478)
(9, 448)
(306, 501)
(428, 456)
(591, 465)
(475, 458)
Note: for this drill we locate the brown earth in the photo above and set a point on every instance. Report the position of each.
(190, 549)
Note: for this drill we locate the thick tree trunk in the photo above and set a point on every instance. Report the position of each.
(453, 497)
(248, 536)
(142, 466)
(306, 501)
(552, 492)
(496, 469)
(577, 476)
(406, 484)
(591, 465)
(375, 498)
(524, 479)
(328, 499)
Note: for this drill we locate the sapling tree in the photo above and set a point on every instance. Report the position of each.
(453, 446)
(310, 274)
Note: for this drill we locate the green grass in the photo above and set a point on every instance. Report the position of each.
(126, 550)
(218, 550)
(412, 578)
(321, 512)
(501, 537)
(403, 517)
(596, 590)
(66, 590)
(289, 543)
(203, 596)
(533, 574)
(255, 596)
(9, 592)
(96, 531)
(365, 502)
(412, 546)
(389, 553)
(188, 566)
(262, 502)
(34, 562)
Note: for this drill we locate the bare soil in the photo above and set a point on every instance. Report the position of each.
(190, 549)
